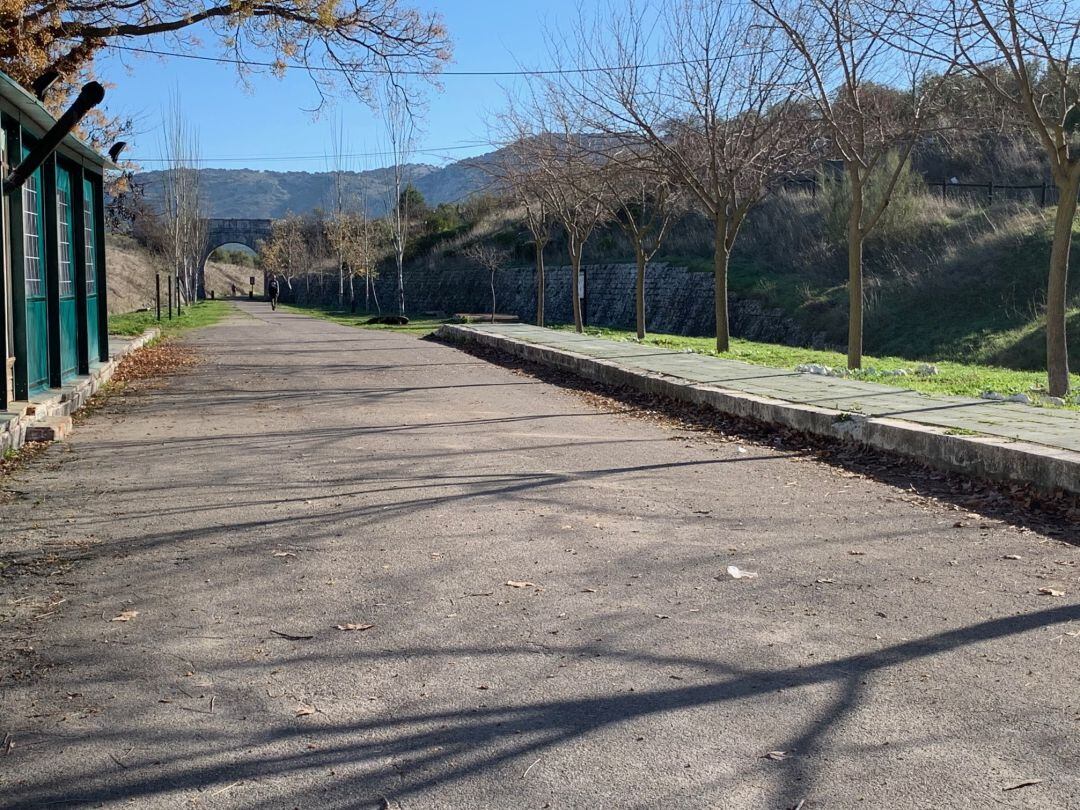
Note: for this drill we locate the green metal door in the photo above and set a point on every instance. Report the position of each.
(37, 321)
(69, 319)
(93, 328)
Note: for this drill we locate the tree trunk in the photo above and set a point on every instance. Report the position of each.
(341, 283)
(639, 295)
(401, 282)
(855, 273)
(720, 278)
(541, 286)
(575, 274)
(1057, 350)
(493, 296)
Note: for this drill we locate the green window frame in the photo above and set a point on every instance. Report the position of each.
(33, 260)
(64, 240)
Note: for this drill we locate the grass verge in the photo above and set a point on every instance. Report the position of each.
(419, 325)
(204, 313)
(960, 379)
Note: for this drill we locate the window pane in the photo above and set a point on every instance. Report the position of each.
(88, 241)
(67, 273)
(35, 287)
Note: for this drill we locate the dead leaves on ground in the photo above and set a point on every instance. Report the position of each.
(160, 359)
(125, 616)
(359, 628)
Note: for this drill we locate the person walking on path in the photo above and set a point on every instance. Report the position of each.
(274, 291)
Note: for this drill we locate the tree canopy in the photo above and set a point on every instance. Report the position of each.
(341, 43)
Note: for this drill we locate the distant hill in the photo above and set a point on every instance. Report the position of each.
(250, 193)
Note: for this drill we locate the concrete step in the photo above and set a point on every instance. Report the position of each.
(50, 429)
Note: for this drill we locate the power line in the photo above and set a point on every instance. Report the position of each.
(429, 73)
(434, 150)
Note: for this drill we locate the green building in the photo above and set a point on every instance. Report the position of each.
(53, 313)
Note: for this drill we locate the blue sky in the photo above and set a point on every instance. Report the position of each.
(269, 122)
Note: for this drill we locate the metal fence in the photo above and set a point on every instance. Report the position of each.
(975, 193)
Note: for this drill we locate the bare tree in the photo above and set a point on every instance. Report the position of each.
(850, 60)
(400, 133)
(286, 252)
(715, 98)
(1023, 53)
(489, 258)
(337, 226)
(348, 42)
(576, 198)
(645, 200)
(517, 175)
(181, 205)
(566, 172)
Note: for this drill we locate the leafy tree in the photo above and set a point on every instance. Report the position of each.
(413, 201)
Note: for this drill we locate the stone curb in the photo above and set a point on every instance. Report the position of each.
(1048, 469)
(67, 400)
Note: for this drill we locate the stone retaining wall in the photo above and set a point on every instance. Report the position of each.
(677, 301)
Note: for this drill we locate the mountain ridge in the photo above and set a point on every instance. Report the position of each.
(269, 194)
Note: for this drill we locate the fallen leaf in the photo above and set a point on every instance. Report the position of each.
(303, 711)
(776, 756)
(854, 553)
(1043, 591)
(737, 573)
(514, 583)
(357, 627)
(126, 616)
(588, 590)
(284, 554)
(1011, 557)
(662, 616)
(825, 581)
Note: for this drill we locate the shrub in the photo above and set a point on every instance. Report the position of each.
(901, 216)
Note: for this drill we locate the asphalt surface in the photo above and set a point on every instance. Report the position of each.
(306, 475)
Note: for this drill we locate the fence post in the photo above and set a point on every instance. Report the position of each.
(157, 293)
(169, 284)
(990, 192)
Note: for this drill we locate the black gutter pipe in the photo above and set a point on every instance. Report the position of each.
(89, 97)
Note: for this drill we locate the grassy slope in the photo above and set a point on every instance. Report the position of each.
(205, 313)
(959, 284)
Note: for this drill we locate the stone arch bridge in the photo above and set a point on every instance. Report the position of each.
(249, 232)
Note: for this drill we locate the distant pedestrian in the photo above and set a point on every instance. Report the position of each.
(234, 291)
(274, 291)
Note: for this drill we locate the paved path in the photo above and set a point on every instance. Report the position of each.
(309, 475)
(1052, 427)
